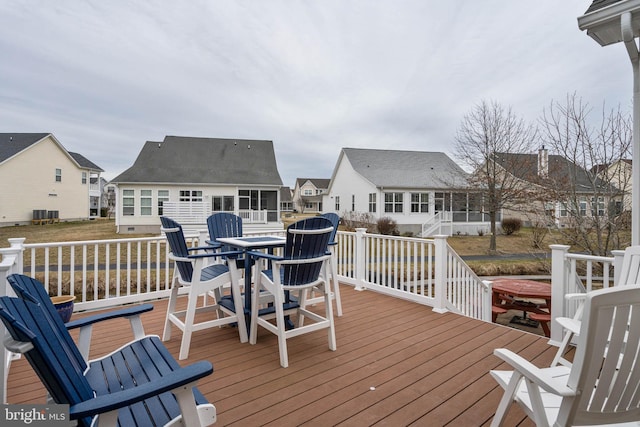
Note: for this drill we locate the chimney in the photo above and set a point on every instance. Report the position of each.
(543, 162)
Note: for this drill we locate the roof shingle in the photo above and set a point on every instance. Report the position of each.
(406, 169)
(189, 160)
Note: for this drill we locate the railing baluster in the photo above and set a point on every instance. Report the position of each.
(84, 272)
(96, 263)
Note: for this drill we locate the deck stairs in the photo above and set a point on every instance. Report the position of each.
(440, 223)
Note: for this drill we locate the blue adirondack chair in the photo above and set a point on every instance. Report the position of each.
(22, 285)
(139, 384)
(299, 269)
(194, 278)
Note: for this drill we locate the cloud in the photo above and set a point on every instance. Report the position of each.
(313, 76)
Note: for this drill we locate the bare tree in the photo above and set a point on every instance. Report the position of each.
(591, 190)
(487, 137)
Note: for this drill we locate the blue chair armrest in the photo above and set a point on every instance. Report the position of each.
(126, 312)
(214, 244)
(215, 254)
(270, 257)
(120, 399)
(202, 248)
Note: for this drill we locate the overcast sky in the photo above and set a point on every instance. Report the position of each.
(312, 76)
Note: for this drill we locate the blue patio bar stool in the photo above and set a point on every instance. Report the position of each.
(333, 265)
(299, 269)
(192, 277)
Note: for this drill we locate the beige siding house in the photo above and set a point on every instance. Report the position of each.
(38, 174)
(308, 193)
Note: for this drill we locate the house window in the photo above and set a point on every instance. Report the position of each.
(309, 205)
(419, 202)
(563, 210)
(583, 206)
(146, 204)
(597, 206)
(353, 203)
(190, 195)
(58, 175)
(128, 203)
(163, 196)
(393, 202)
(372, 202)
(222, 203)
(337, 204)
(308, 193)
(84, 177)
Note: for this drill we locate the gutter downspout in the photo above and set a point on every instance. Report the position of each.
(632, 50)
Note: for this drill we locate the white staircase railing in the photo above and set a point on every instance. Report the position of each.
(438, 224)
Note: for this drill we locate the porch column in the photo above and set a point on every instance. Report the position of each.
(618, 256)
(440, 273)
(559, 277)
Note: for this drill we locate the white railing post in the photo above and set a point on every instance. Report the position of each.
(11, 263)
(440, 273)
(559, 277)
(487, 300)
(618, 256)
(360, 259)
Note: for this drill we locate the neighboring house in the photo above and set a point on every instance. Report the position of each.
(96, 183)
(38, 174)
(286, 200)
(424, 192)
(308, 193)
(618, 173)
(188, 179)
(557, 190)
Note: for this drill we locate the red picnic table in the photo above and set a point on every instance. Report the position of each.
(507, 294)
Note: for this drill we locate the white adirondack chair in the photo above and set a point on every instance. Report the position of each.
(601, 387)
(629, 275)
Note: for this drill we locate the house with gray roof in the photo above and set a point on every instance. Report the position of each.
(425, 192)
(40, 181)
(555, 190)
(188, 179)
(308, 194)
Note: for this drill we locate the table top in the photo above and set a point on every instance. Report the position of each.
(522, 288)
(253, 242)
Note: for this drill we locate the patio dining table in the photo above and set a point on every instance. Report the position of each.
(508, 294)
(247, 244)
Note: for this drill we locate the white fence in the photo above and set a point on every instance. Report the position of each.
(106, 273)
(198, 212)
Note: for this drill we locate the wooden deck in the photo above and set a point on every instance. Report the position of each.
(397, 363)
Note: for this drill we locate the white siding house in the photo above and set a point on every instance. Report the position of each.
(424, 192)
(189, 178)
(38, 174)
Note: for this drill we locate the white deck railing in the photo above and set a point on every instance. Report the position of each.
(440, 223)
(576, 273)
(198, 212)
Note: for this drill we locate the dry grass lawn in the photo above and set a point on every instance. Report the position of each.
(519, 243)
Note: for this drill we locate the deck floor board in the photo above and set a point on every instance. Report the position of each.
(397, 363)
